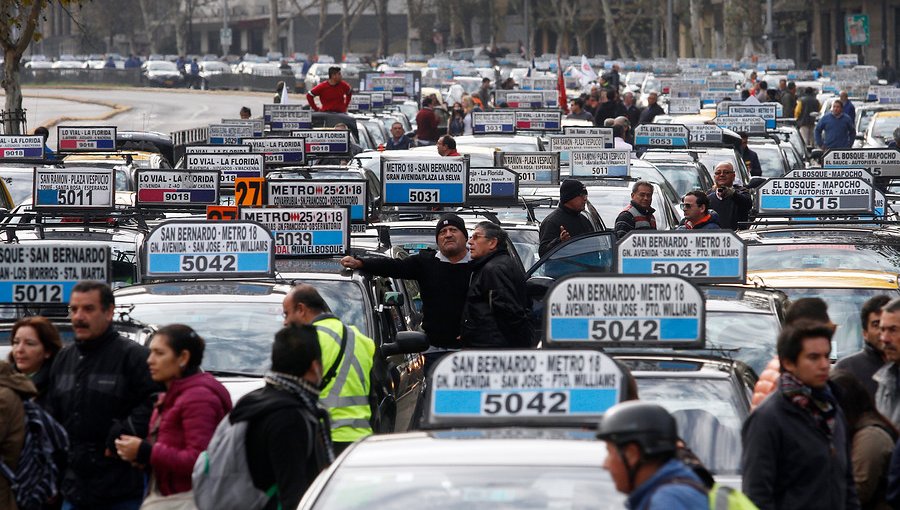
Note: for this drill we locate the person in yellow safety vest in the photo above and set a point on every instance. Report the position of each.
(347, 359)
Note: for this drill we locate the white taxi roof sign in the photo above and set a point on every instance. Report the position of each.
(427, 181)
(532, 167)
(179, 249)
(222, 149)
(15, 147)
(287, 117)
(701, 134)
(176, 187)
(879, 162)
(684, 105)
(742, 124)
(73, 189)
(325, 142)
(231, 166)
(34, 273)
(833, 173)
(228, 134)
(538, 120)
(661, 135)
(259, 126)
(492, 186)
(350, 193)
(523, 387)
(494, 123)
(85, 138)
(519, 99)
(703, 256)
(815, 197)
(598, 164)
(305, 232)
(624, 310)
(566, 143)
(288, 151)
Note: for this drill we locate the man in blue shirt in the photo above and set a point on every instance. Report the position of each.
(849, 109)
(839, 129)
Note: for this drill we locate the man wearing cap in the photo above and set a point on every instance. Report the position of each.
(566, 221)
(443, 278)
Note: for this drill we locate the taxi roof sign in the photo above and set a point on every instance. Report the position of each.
(350, 193)
(703, 256)
(228, 134)
(879, 162)
(766, 111)
(494, 123)
(815, 197)
(684, 105)
(305, 232)
(176, 188)
(565, 144)
(208, 249)
(14, 147)
(661, 135)
(588, 130)
(230, 166)
(606, 310)
(523, 387)
(598, 164)
(541, 120)
(427, 181)
(35, 273)
(223, 149)
(701, 134)
(258, 125)
(287, 117)
(831, 173)
(73, 189)
(492, 187)
(280, 151)
(751, 125)
(325, 142)
(532, 167)
(520, 99)
(86, 138)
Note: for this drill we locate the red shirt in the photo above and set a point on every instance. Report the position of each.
(453, 153)
(426, 125)
(335, 98)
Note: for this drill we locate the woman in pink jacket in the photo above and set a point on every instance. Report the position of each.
(184, 418)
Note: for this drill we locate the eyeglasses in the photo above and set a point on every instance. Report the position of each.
(685, 207)
(725, 172)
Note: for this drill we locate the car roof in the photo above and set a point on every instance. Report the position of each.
(177, 291)
(825, 278)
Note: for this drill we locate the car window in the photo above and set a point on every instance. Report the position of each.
(770, 160)
(683, 178)
(20, 184)
(708, 415)
(749, 337)
(588, 253)
(498, 487)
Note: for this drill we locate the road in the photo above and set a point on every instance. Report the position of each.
(163, 110)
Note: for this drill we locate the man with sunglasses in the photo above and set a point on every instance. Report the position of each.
(732, 203)
(697, 215)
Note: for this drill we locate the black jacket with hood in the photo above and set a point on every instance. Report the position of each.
(497, 305)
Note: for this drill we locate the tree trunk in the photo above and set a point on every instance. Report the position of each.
(273, 25)
(13, 89)
(323, 16)
(696, 34)
(413, 38)
(381, 11)
(345, 28)
(608, 27)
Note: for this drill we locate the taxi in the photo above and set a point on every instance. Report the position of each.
(881, 128)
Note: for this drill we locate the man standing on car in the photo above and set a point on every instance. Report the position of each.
(566, 221)
(497, 305)
(443, 278)
(732, 203)
(334, 93)
(100, 388)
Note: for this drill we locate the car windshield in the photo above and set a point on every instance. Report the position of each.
(770, 160)
(526, 244)
(843, 310)
(823, 256)
(683, 178)
(609, 202)
(161, 66)
(708, 416)
(20, 184)
(469, 488)
(883, 127)
(239, 333)
(751, 335)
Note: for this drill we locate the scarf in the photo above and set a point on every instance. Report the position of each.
(819, 403)
(309, 396)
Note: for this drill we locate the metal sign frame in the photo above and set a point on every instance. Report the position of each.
(781, 211)
(36, 204)
(140, 204)
(16, 265)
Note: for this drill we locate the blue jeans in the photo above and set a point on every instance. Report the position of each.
(131, 504)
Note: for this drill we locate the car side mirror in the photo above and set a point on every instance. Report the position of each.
(756, 182)
(393, 298)
(406, 342)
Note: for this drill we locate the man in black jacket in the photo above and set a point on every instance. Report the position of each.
(566, 221)
(497, 304)
(99, 389)
(867, 361)
(443, 278)
(288, 432)
(652, 110)
(796, 446)
(732, 203)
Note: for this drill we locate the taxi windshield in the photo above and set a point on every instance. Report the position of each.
(469, 488)
(884, 126)
(752, 335)
(823, 256)
(708, 416)
(683, 178)
(770, 160)
(843, 310)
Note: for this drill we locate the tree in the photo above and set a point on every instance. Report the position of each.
(18, 28)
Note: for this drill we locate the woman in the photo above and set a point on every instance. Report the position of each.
(184, 419)
(468, 107)
(14, 388)
(456, 124)
(35, 343)
(873, 438)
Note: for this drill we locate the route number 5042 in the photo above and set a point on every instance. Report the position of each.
(525, 403)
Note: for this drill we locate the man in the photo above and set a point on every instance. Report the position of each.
(632, 112)
(426, 123)
(887, 397)
(803, 112)
(446, 146)
(484, 94)
(592, 104)
(614, 78)
(283, 415)
(815, 63)
(627, 132)
(732, 203)
(496, 311)
(893, 144)
(782, 88)
(789, 100)
(443, 278)
(751, 159)
(609, 109)
(796, 451)
(652, 110)
(762, 91)
(398, 140)
(334, 93)
(697, 214)
(866, 362)
(99, 389)
(347, 360)
(619, 135)
(566, 221)
(641, 442)
(839, 129)
(849, 109)
(578, 112)
(49, 154)
(639, 213)
(195, 74)
(245, 113)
